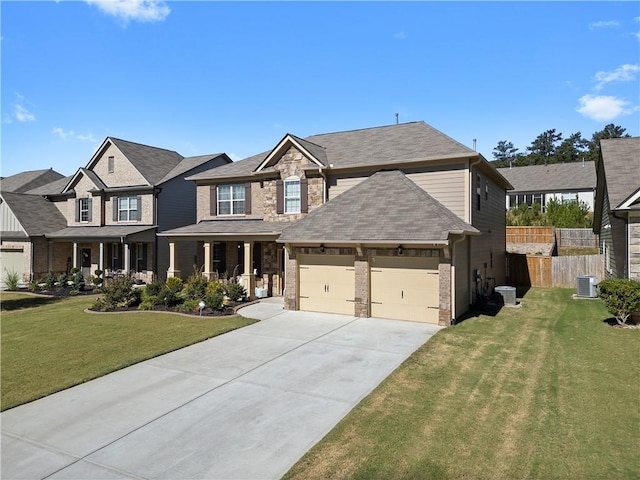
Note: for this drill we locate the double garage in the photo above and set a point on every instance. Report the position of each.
(399, 287)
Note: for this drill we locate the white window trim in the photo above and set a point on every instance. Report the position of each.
(231, 200)
(84, 210)
(298, 197)
(128, 209)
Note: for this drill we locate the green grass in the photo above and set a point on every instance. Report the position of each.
(50, 344)
(548, 390)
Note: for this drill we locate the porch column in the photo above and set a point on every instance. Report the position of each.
(248, 278)
(127, 258)
(75, 255)
(101, 257)
(208, 260)
(172, 271)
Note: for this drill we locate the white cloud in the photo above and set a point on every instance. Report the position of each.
(604, 24)
(71, 135)
(603, 107)
(21, 114)
(136, 10)
(623, 73)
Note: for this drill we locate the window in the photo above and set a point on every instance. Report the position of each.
(84, 206)
(141, 261)
(110, 164)
(478, 189)
(292, 196)
(231, 200)
(569, 197)
(128, 209)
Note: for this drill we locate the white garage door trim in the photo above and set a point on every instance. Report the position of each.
(405, 288)
(326, 283)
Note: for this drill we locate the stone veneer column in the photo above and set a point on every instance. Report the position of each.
(362, 302)
(172, 271)
(290, 281)
(444, 270)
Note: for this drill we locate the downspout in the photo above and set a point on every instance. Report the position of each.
(453, 278)
(324, 184)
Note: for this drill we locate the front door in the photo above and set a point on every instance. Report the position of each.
(85, 261)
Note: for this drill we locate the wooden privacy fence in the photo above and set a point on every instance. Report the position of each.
(531, 235)
(576, 237)
(542, 271)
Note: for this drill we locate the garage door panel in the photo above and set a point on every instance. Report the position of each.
(405, 288)
(327, 283)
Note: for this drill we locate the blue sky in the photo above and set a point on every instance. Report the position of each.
(207, 77)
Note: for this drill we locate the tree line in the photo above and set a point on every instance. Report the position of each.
(550, 147)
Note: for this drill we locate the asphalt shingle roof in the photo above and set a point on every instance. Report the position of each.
(551, 178)
(107, 231)
(187, 164)
(388, 145)
(386, 207)
(52, 188)
(244, 226)
(36, 214)
(25, 181)
(152, 162)
(621, 163)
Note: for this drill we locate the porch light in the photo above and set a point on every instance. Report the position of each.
(321, 248)
(400, 250)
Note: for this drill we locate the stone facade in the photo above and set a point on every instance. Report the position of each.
(444, 275)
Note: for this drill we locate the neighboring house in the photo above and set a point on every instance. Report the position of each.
(562, 182)
(25, 219)
(25, 181)
(113, 208)
(617, 209)
(397, 222)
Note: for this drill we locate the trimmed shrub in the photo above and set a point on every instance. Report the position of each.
(118, 293)
(214, 300)
(235, 291)
(189, 306)
(50, 281)
(153, 288)
(168, 297)
(621, 296)
(175, 284)
(215, 286)
(196, 287)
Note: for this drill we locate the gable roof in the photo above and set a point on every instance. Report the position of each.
(315, 153)
(153, 163)
(620, 161)
(369, 147)
(36, 214)
(387, 207)
(551, 178)
(93, 178)
(25, 181)
(189, 163)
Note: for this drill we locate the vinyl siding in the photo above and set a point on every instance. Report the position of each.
(445, 184)
(490, 247)
(8, 221)
(634, 246)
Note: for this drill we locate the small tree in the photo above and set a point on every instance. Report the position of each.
(621, 296)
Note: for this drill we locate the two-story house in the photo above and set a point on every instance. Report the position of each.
(113, 207)
(617, 215)
(398, 222)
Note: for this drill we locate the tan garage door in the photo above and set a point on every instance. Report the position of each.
(11, 260)
(327, 283)
(405, 288)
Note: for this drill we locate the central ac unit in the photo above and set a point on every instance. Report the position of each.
(587, 286)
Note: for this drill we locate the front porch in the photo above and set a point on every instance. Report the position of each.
(93, 248)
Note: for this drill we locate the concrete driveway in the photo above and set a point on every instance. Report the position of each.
(247, 404)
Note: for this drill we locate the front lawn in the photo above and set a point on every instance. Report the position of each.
(548, 390)
(49, 344)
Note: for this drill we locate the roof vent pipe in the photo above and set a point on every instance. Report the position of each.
(397, 115)
(474, 145)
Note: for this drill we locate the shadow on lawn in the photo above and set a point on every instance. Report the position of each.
(491, 307)
(27, 302)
